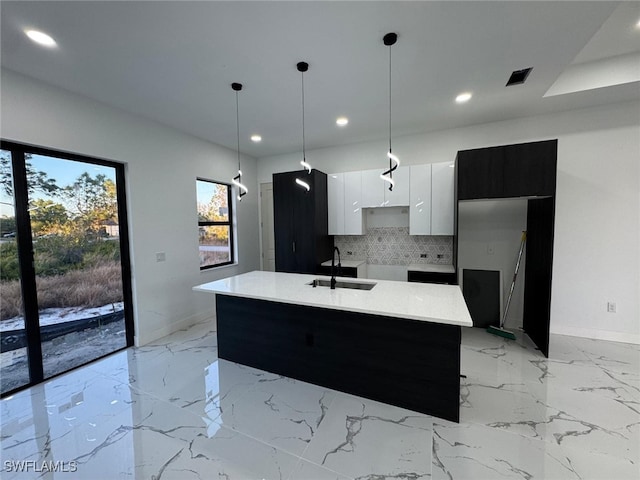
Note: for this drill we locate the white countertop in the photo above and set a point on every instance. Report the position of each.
(346, 263)
(431, 267)
(417, 301)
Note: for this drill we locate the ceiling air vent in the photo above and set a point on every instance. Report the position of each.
(518, 76)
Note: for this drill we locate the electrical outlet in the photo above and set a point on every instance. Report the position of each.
(161, 257)
(440, 255)
(423, 255)
(490, 250)
(611, 307)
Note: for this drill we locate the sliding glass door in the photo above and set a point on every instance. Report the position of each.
(14, 360)
(71, 242)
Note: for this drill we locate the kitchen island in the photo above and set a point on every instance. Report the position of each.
(398, 343)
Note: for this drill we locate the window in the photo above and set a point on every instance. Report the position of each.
(215, 224)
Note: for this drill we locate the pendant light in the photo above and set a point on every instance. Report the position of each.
(237, 180)
(303, 67)
(390, 39)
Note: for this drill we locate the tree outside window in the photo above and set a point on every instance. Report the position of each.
(215, 227)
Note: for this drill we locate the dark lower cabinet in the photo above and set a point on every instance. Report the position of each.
(407, 363)
(431, 277)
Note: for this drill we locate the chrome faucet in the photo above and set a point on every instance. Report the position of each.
(333, 273)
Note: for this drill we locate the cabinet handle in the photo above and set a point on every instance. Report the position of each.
(294, 247)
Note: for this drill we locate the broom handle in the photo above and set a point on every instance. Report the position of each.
(515, 274)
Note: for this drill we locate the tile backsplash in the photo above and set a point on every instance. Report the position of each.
(394, 246)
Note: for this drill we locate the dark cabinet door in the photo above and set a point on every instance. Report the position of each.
(300, 222)
(249, 333)
(284, 235)
(391, 360)
(480, 173)
(323, 241)
(538, 271)
(530, 169)
(303, 227)
(509, 171)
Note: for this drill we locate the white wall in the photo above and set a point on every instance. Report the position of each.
(161, 167)
(489, 234)
(597, 230)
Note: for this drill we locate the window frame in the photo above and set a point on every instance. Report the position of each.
(25, 254)
(228, 223)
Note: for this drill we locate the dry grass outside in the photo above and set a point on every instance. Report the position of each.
(94, 286)
(213, 258)
(10, 299)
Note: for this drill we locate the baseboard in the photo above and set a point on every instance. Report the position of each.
(141, 340)
(597, 334)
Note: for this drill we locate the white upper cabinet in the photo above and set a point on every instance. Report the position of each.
(427, 189)
(335, 202)
(442, 198)
(375, 191)
(353, 217)
(420, 200)
(399, 196)
(372, 188)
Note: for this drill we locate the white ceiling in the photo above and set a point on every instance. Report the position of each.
(173, 62)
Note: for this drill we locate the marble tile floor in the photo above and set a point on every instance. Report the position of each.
(173, 410)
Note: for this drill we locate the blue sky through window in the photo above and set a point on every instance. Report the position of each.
(65, 172)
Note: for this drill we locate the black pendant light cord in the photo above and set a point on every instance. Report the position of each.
(303, 67)
(304, 153)
(389, 104)
(237, 180)
(389, 40)
(238, 129)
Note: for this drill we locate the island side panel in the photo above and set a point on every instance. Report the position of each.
(407, 363)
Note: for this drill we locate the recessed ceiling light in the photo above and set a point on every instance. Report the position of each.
(463, 97)
(342, 121)
(40, 38)
(256, 138)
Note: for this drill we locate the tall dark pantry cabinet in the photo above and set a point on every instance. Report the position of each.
(525, 170)
(300, 219)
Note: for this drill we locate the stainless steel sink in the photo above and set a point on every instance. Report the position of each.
(321, 282)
